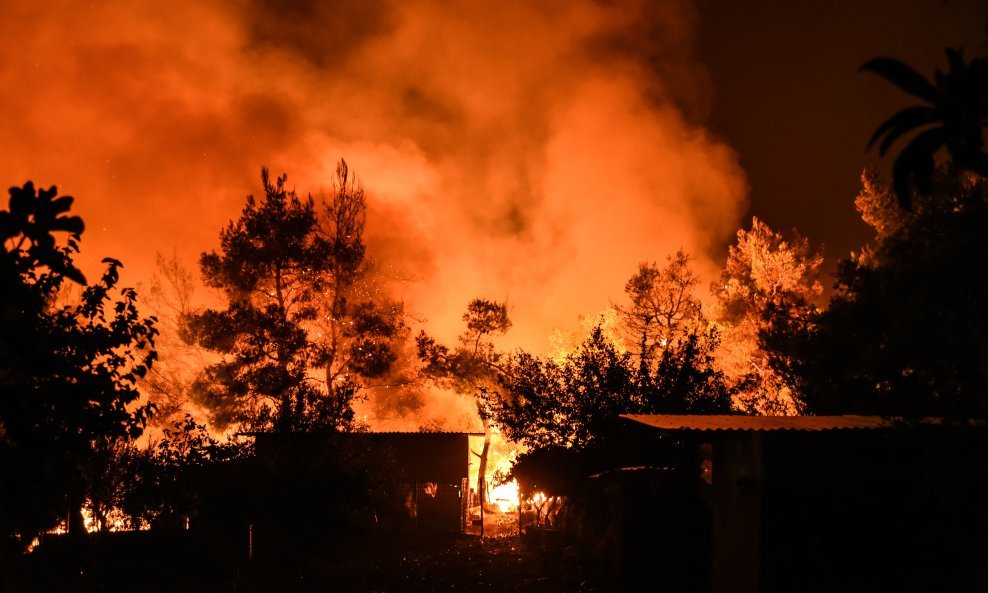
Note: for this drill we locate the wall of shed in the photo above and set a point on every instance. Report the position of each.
(426, 470)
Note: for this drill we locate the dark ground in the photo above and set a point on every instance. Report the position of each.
(370, 562)
(445, 563)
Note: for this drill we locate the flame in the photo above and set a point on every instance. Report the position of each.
(563, 344)
(116, 520)
(505, 496)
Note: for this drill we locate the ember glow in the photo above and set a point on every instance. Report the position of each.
(525, 151)
(505, 496)
(115, 520)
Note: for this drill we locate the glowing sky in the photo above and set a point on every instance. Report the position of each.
(534, 152)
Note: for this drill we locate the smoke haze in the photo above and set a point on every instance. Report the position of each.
(528, 151)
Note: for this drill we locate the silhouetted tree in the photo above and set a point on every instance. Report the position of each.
(905, 334)
(269, 266)
(472, 368)
(954, 117)
(292, 279)
(68, 372)
(359, 326)
(543, 403)
(685, 378)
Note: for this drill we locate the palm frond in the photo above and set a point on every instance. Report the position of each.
(900, 123)
(902, 76)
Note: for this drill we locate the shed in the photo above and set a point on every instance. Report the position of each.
(428, 470)
(776, 486)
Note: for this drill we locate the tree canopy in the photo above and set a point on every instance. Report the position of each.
(663, 307)
(905, 334)
(472, 368)
(767, 279)
(68, 372)
(292, 274)
(569, 401)
(953, 117)
(269, 264)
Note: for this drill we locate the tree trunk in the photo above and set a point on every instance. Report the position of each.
(76, 523)
(482, 467)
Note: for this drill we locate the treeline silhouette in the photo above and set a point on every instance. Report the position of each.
(905, 335)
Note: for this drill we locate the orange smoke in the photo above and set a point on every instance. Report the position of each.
(529, 151)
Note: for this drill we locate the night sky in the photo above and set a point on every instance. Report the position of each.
(534, 152)
(786, 94)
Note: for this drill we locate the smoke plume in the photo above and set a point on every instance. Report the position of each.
(528, 151)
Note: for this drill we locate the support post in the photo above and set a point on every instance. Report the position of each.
(482, 497)
(520, 502)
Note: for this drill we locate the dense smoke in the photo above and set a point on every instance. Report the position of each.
(528, 151)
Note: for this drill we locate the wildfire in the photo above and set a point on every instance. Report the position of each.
(505, 496)
(566, 343)
(114, 521)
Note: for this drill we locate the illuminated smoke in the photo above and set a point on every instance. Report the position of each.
(529, 151)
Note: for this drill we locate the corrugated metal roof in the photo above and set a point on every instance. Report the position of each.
(371, 432)
(758, 423)
(421, 432)
(632, 470)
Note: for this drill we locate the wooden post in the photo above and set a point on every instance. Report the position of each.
(482, 497)
(464, 504)
(520, 501)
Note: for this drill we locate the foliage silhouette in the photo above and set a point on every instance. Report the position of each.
(544, 403)
(268, 267)
(905, 334)
(686, 379)
(68, 373)
(292, 282)
(954, 117)
(472, 368)
(162, 482)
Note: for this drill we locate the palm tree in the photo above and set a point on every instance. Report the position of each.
(954, 117)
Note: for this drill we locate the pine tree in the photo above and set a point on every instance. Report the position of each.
(663, 306)
(296, 281)
(767, 279)
(269, 265)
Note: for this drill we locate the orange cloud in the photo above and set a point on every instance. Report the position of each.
(534, 151)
